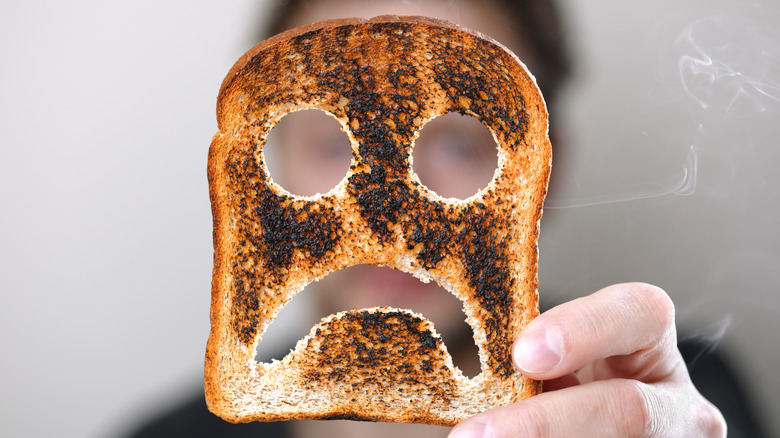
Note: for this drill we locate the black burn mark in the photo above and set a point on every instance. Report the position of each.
(459, 74)
(380, 192)
(432, 227)
(383, 105)
(271, 230)
(287, 229)
(489, 276)
(379, 348)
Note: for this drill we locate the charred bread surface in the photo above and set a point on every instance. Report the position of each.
(383, 79)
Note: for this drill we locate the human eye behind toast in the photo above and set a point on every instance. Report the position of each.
(455, 155)
(307, 152)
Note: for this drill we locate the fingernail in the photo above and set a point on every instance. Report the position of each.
(471, 429)
(538, 351)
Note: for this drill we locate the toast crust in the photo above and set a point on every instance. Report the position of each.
(383, 79)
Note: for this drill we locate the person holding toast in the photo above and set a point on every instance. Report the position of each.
(609, 361)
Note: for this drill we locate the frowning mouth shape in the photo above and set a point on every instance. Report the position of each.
(382, 79)
(365, 287)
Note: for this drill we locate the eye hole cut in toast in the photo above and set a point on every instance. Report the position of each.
(383, 79)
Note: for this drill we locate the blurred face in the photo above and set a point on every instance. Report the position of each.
(454, 155)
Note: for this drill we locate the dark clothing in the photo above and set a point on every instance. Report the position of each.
(711, 375)
(721, 385)
(193, 420)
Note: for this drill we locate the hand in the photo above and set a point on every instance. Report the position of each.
(632, 381)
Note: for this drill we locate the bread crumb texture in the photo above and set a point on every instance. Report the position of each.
(383, 79)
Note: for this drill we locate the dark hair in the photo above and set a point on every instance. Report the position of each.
(538, 23)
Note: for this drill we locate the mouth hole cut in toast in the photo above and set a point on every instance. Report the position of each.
(366, 286)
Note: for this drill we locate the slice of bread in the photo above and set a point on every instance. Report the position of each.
(383, 79)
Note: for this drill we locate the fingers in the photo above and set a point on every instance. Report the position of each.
(635, 383)
(561, 382)
(596, 409)
(629, 326)
(611, 408)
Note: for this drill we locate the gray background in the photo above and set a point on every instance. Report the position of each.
(666, 174)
